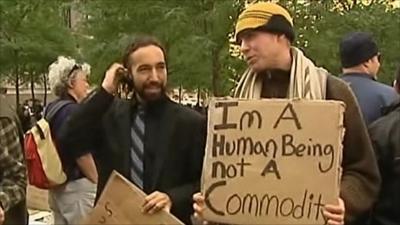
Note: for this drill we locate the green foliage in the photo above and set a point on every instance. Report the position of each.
(320, 28)
(196, 34)
(33, 34)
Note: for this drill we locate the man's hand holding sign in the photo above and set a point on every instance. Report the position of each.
(123, 203)
(157, 201)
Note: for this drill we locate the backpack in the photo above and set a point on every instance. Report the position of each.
(44, 165)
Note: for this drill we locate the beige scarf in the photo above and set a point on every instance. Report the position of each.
(306, 80)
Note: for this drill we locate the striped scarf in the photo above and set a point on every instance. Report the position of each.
(306, 80)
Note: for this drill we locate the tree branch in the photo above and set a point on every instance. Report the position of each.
(28, 10)
(6, 35)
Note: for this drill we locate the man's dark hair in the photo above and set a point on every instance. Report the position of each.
(140, 42)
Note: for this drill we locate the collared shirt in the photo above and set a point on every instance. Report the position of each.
(13, 178)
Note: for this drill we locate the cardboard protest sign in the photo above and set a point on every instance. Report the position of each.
(272, 161)
(121, 203)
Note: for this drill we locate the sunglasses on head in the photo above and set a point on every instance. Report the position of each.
(75, 67)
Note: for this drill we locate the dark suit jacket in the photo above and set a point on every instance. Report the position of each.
(174, 145)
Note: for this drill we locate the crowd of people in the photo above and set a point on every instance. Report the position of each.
(29, 112)
(159, 145)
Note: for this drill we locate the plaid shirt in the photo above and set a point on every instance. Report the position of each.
(12, 166)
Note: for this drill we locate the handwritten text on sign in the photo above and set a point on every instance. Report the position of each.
(272, 161)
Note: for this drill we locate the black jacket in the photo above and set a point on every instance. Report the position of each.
(174, 145)
(385, 135)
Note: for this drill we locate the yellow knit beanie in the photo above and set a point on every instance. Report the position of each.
(265, 16)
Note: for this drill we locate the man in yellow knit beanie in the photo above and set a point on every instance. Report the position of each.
(279, 70)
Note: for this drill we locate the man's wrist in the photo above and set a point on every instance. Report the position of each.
(108, 88)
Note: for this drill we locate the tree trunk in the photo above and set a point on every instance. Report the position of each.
(198, 95)
(32, 85)
(180, 94)
(45, 89)
(16, 80)
(16, 86)
(216, 68)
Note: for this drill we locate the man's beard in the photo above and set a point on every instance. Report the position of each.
(153, 96)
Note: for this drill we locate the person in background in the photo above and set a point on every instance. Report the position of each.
(361, 61)
(13, 175)
(385, 135)
(73, 200)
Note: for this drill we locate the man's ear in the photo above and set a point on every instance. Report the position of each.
(70, 83)
(280, 37)
(366, 64)
(396, 86)
(283, 39)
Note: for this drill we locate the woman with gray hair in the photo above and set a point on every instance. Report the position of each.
(68, 77)
(73, 200)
